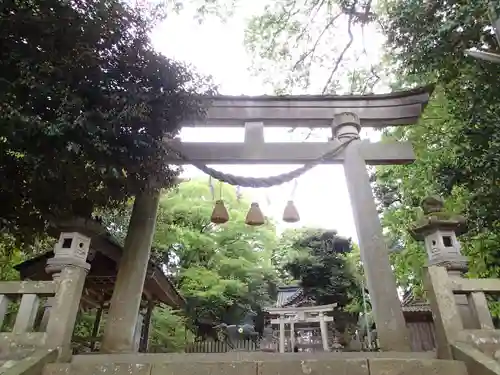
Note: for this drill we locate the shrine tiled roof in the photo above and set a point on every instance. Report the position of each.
(287, 294)
(292, 295)
(413, 304)
(417, 308)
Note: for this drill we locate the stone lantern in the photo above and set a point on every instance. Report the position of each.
(439, 230)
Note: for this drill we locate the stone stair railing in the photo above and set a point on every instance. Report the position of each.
(32, 364)
(479, 348)
(30, 294)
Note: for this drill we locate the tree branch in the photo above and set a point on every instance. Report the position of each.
(284, 22)
(313, 49)
(341, 56)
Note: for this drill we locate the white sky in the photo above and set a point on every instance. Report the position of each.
(217, 49)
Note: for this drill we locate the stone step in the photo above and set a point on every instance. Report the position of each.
(273, 364)
(16, 354)
(477, 361)
(11, 358)
(7, 364)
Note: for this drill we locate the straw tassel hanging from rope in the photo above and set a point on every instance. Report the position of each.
(219, 213)
(290, 214)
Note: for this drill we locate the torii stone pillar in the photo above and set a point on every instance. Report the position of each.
(119, 332)
(391, 326)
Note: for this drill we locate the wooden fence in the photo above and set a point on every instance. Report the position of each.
(422, 336)
(221, 347)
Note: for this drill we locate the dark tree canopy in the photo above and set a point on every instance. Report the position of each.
(322, 269)
(85, 102)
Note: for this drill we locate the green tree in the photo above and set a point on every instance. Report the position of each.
(295, 43)
(470, 86)
(399, 189)
(456, 142)
(85, 104)
(169, 332)
(222, 270)
(10, 255)
(318, 260)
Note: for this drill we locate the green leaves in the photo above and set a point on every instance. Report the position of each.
(294, 43)
(456, 142)
(215, 267)
(315, 258)
(169, 331)
(86, 101)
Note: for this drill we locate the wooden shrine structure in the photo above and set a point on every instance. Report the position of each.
(104, 258)
(299, 322)
(420, 323)
(301, 317)
(293, 305)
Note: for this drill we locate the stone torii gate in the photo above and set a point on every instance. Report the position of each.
(345, 115)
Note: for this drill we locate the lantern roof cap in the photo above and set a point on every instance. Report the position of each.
(435, 217)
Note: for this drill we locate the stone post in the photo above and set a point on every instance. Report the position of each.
(381, 283)
(70, 266)
(438, 230)
(146, 328)
(292, 335)
(26, 314)
(47, 306)
(96, 326)
(268, 344)
(324, 332)
(282, 333)
(46, 313)
(138, 332)
(125, 302)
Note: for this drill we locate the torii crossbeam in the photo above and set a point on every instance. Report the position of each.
(255, 113)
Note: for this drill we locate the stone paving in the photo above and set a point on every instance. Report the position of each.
(259, 364)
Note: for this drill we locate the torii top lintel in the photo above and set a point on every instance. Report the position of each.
(255, 113)
(316, 111)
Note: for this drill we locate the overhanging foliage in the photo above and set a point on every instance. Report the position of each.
(84, 104)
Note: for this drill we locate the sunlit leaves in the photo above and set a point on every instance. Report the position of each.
(169, 332)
